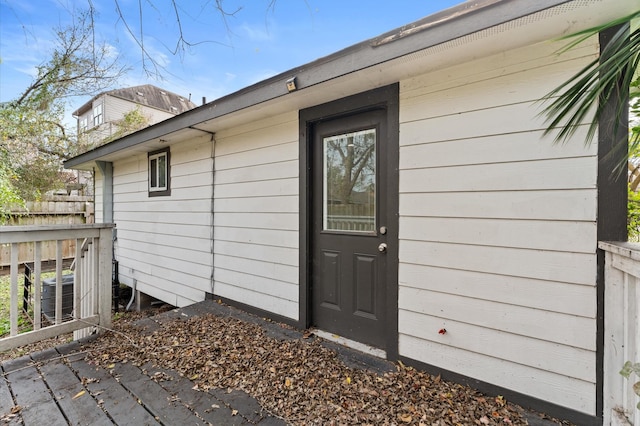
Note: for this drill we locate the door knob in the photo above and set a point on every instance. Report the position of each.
(382, 247)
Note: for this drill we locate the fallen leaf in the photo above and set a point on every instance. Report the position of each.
(234, 412)
(484, 420)
(79, 394)
(405, 418)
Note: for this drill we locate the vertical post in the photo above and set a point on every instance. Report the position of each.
(13, 315)
(78, 288)
(95, 276)
(613, 339)
(37, 286)
(59, 281)
(104, 266)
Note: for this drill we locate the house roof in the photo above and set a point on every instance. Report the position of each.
(464, 32)
(146, 94)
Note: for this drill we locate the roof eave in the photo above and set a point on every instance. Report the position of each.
(458, 21)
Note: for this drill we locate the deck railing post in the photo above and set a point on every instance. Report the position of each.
(13, 315)
(59, 286)
(104, 280)
(37, 285)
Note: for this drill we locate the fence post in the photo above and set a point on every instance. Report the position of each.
(104, 276)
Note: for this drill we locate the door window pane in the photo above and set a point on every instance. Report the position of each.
(349, 176)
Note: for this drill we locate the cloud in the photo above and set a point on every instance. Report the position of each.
(257, 32)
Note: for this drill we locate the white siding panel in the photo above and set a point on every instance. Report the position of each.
(282, 204)
(267, 172)
(550, 326)
(98, 181)
(164, 243)
(280, 221)
(271, 132)
(195, 255)
(257, 283)
(265, 237)
(273, 254)
(160, 229)
(184, 272)
(548, 386)
(498, 227)
(462, 88)
(552, 296)
(285, 186)
(525, 146)
(262, 155)
(573, 205)
(541, 354)
(532, 234)
(577, 268)
(274, 271)
(256, 215)
(266, 302)
(542, 59)
(571, 173)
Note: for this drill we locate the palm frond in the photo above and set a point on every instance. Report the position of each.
(582, 99)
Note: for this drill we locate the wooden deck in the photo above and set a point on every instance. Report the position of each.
(58, 387)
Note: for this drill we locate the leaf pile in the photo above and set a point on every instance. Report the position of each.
(299, 380)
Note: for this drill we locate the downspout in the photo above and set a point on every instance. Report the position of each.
(213, 198)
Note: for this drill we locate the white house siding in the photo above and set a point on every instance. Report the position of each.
(98, 195)
(256, 215)
(164, 243)
(116, 109)
(498, 228)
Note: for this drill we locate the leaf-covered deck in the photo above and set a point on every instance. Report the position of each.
(58, 387)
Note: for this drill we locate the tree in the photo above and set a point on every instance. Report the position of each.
(33, 134)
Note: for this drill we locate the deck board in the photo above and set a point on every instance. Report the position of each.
(60, 386)
(78, 405)
(31, 393)
(116, 400)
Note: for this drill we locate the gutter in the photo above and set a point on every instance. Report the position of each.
(467, 18)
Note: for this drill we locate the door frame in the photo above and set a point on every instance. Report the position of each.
(386, 98)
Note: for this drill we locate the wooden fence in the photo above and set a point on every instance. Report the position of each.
(622, 331)
(55, 210)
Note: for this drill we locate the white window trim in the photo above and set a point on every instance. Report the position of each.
(156, 190)
(98, 114)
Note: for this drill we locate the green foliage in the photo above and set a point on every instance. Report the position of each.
(633, 216)
(627, 370)
(8, 194)
(32, 128)
(587, 92)
(132, 121)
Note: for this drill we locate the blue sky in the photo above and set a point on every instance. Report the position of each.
(255, 43)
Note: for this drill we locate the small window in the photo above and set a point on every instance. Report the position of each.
(159, 173)
(98, 117)
(83, 124)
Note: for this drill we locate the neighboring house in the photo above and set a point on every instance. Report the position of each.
(99, 118)
(479, 225)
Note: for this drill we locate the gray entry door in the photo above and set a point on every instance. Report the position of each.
(348, 243)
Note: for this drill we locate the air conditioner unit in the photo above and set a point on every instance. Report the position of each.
(49, 297)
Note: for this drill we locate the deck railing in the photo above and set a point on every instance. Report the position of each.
(90, 281)
(622, 331)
